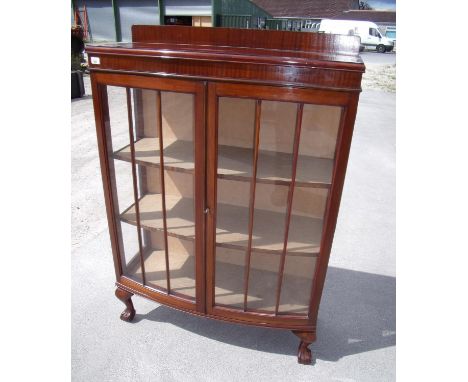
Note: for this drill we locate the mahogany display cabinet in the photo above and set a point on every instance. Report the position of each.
(223, 156)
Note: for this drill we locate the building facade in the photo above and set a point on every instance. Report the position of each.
(111, 20)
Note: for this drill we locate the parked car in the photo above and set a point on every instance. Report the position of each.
(371, 38)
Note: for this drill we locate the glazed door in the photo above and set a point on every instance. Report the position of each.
(270, 160)
(152, 131)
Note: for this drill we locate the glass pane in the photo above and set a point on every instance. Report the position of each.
(229, 277)
(263, 281)
(235, 149)
(118, 135)
(177, 126)
(277, 126)
(235, 171)
(316, 154)
(154, 260)
(319, 131)
(305, 231)
(273, 180)
(297, 282)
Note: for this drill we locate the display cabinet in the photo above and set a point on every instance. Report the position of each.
(223, 156)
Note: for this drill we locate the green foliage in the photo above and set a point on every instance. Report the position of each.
(77, 46)
(76, 61)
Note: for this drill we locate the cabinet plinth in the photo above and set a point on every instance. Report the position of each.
(223, 155)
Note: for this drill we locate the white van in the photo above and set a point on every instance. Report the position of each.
(369, 33)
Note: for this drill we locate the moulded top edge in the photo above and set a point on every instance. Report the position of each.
(230, 53)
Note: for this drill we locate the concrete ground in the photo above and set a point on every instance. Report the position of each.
(356, 326)
(372, 57)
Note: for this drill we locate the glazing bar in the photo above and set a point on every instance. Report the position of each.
(135, 182)
(297, 135)
(253, 184)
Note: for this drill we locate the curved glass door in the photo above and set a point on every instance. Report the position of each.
(274, 170)
(151, 153)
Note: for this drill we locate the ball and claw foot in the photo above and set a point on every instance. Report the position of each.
(129, 313)
(304, 355)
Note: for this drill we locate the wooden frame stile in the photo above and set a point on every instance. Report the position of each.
(101, 113)
(201, 208)
(209, 63)
(211, 192)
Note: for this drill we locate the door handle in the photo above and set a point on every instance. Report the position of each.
(207, 211)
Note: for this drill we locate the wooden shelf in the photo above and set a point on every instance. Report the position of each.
(178, 155)
(234, 163)
(232, 227)
(179, 215)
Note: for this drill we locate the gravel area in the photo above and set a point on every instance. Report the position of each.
(380, 77)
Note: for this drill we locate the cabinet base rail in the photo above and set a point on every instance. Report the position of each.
(304, 354)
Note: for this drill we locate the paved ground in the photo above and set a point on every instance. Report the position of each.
(356, 329)
(370, 57)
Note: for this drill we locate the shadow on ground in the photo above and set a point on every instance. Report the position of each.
(357, 314)
(85, 97)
